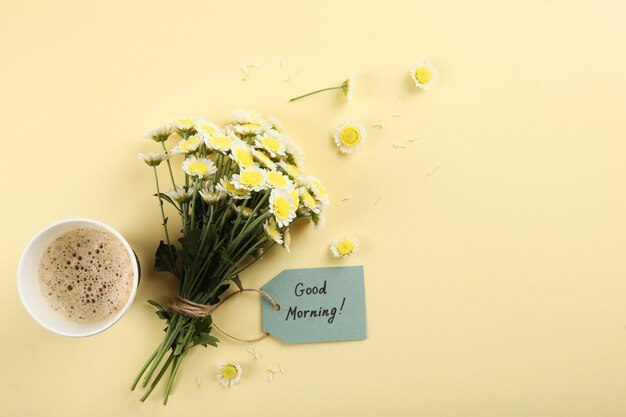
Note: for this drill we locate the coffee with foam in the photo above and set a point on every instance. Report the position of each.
(86, 275)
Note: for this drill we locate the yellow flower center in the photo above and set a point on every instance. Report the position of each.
(308, 200)
(320, 190)
(244, 157)
(292, 170)
(185, 122)
(345, 247)
(230, 187)
(221, 142)
(350, 136)
(423, 75)
(272, 232)
(189, 144)
(251, 126)
(296, 199)
(229, 372)
(208, 129)
(270, 144)
(282, 208)
(276, 179)
(251, 178)
(198, 168)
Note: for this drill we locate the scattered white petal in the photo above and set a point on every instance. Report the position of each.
(346, 197)
(397, 145)
(290, 76)
(281, 369)
(252, 350)
(397, 116)
(401, 97)
(245, 69)
(270, 375)
(257, 65)
(377, 200)
(415, 139)
(198, 381)
(283, 61)
(432, 171)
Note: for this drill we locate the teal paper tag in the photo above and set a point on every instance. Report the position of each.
(316, 305)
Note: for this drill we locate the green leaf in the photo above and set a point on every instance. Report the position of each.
(191, 243)
(237, 282)
(205, 339)
(216, 298)
(165, 258)
(168, 199)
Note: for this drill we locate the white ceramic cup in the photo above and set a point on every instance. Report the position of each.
(30, 290)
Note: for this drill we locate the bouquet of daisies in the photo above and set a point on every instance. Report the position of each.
(244, 185)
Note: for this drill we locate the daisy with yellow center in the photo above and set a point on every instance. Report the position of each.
(344, 246)
(212, 197)
(272, 231)
(319, 219)
(183, 123)
(206, 128)
(282, 207)
(294, 154)
(160, 134)
(263, 159)
(226, 186)
(308, 201)
(187, 146)
(277, 180)
(221, 142)
(295, 197)
(424, 75)
(252, 178)
(228, 373)
(180, 194)
(347, 87)
(249, 122)
(153, 159)
(242, 154)
(271, 143)
(199, 167)
(318, 190)
(350, 136)
(290, 170)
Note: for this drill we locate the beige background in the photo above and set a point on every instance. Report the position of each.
(495, 286)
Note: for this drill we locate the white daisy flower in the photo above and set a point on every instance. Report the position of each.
(291, 170)
(264, 160)
(275, 124)
(252, 178)
(183, 123)
(249, 122)
(221, 141)
(272, 143)
(228, 373)
(226, 186)
(424, 75)
(348, 87)
(180, 194)
(160, 134)
(242, 154)
(282, 207)
(318, 189)
(153, 159)
(295, 156)
(186, 146)
(243, 116)
(287, 240)
(295, 196)
(344, 246)
(199, 167)
(206, 128)
(350, 135)
(307, 200)
(272, 231)
(212, 197)
(277, 180)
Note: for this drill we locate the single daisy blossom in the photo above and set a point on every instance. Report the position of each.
(183, 123)
(318, 189)
(277, 180)
(344, 246)
(308, 201)
(206, 128)
(212, 197)
(229, 188)
(180, 194)
(160, 134)
(281, 206)
(347, 87)
(272, 143)
(186, 146)
(221, 142)
(199, 167)
(252, 178)
(228, 373)
(242, 154)
(272, 231)
(153, 159)
(350, 136)
(424, 75)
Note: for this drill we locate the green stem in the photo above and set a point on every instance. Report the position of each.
(177, 362)
(167, 235)
(169, 166)
(314, 92)
(136, 381)
(158, 378)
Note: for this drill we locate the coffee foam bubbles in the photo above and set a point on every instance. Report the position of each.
(86, 275)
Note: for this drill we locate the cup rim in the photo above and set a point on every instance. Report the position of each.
(106, 323)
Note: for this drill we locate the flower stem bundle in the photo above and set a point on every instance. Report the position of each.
(244, 185)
